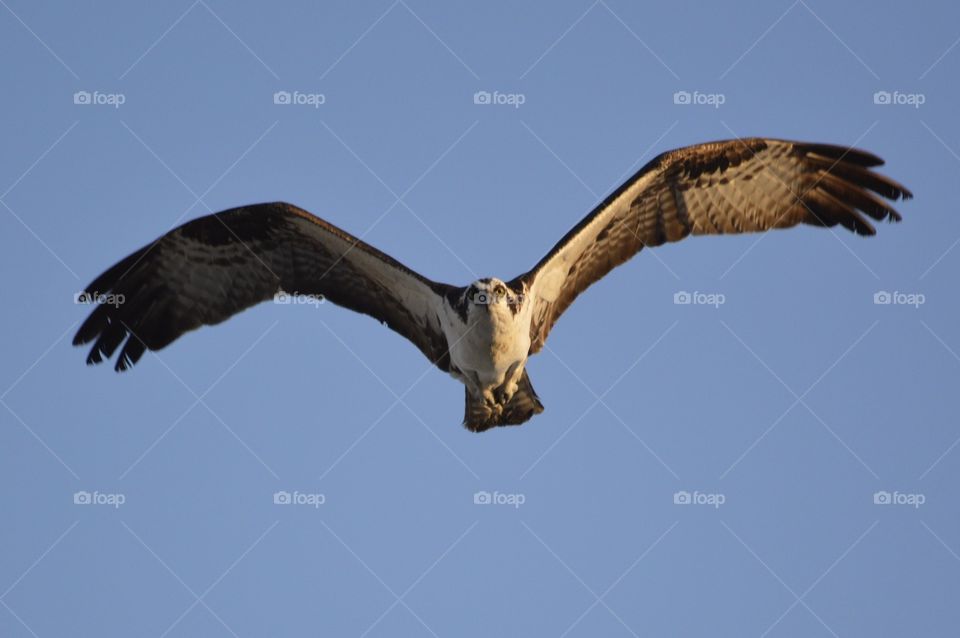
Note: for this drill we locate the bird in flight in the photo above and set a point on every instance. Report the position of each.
(210, 268)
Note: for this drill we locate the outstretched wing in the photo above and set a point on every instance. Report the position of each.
(735, 186)
(211, 268)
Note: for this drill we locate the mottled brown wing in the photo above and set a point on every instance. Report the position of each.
(211, 268)
(735, 186)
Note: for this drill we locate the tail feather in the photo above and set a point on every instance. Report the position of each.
(478, 417)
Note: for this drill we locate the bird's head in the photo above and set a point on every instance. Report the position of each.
(490, 293)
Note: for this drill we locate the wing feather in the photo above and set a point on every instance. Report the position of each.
(213, 267)
(734, 186)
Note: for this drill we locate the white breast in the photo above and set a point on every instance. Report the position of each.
(489, 345)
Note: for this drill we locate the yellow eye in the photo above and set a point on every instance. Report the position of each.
(500, 291)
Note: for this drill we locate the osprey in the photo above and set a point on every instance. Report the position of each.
(213, 267)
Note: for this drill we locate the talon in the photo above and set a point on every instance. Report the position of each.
(490, 399)
(505, 394)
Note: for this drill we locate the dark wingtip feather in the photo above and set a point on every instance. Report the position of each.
(104, 326)
(94, 357)
(92, 325)
(133, 349)
(863, 228)
(844, 154)
(850, 182)
(858, 198)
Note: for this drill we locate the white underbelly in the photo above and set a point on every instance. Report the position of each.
(491, 349)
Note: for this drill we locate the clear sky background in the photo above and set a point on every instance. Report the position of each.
(789, 406)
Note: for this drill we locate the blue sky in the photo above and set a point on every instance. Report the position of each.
(782, 411)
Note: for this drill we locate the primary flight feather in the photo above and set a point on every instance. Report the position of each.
(211, 268)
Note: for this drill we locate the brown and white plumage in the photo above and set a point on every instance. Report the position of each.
(734, 186)
(211, 268)
(207, 270)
